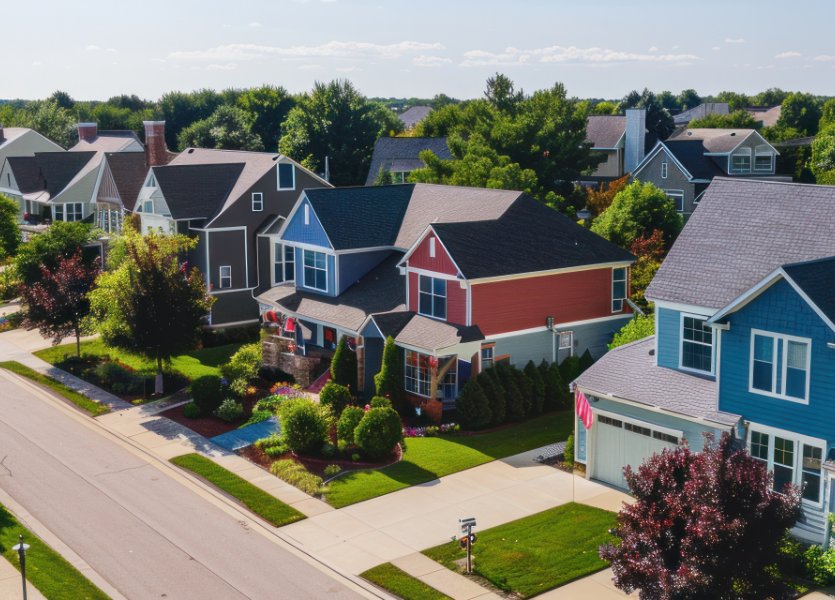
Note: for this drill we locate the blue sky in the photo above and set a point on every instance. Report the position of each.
(597, 48)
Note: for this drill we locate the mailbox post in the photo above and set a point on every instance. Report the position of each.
(468, 539)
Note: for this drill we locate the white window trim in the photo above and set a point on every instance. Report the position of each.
(273, 243)
(306, 214)
(304, 271)
(278, 178)
(431, 247)
(612, 298)
(664, 170)
(763, 150)
(257, 201)
(672, 195)
(741, 152)
(784, 339)
(681, 345)
(221, 277)
(434, 295)
(570, 346)
(798, 440)
(417, 379)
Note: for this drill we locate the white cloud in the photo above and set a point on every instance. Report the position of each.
(37, 63)
(333, 49)
(159, 60)
(561, 54)
(110, 50)
(652, 49)
(430, 61)
(734, 40)
(255, 24)
(716, 48)
(222, 67)
(788, 54)
(824, 58)
(92, 48)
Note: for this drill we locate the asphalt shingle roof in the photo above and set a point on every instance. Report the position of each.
(715, 140)
(396, 154)
(691, 154)
(361, 217)
(817, 280)
(129, 170)
(196, 191)
(431, 334)
(604, 131)
(50, 171)
(629, 371)
(743, 230)
(551, 241)
(414, 115)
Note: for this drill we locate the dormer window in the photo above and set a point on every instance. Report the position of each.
(741, 161)
(763, 159)
(286, 176)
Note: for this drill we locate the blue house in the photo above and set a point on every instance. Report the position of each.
(744, 344)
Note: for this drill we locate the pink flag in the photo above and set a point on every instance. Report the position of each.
(583, 409)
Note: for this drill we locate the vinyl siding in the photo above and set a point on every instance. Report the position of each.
(668, 337)
(779, 310)
(441, 263)
(676, 179)
(313, 233)
(234, 307)
(353, 266)
(228, 248)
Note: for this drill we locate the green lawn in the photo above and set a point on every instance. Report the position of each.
(206, 361)
(401, 584)
(254, 498)
(537, 553)
(45, 569)
(83, 402)
(428, 458)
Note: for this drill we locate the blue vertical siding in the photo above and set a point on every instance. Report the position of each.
(300, 274)
(669, 337)
(355, 265)
(313, 233)
(779, 310)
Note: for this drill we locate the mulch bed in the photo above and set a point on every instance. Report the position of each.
(315, 465)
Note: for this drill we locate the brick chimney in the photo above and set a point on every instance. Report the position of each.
(87, 131)
(156, 152)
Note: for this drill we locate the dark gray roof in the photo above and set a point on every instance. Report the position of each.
(129, 170)
(361, 217)
(380, 290)
(604, 131)
(629, 372)
(701, 111)
(196, 191)
(691, 154)
(414, 115)
(392, 323)
(817, 280)
(50, 171)
(743, 230)
(397, 153)
(551, 241)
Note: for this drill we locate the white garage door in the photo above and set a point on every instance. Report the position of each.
(619, 442)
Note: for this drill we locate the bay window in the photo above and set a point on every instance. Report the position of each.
(418, 373)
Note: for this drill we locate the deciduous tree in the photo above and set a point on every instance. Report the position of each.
(659, 122)
(637, 211)
(9, 231)
(801, 112)
(738, 119)
(228, 128)
(268, 105)
(703, 525)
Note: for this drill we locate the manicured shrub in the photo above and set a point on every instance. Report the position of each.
(304, 425)
(336, 396)
(525, 389)
(192, 411)
(296, 475)
(537, 387)
(378, 432)
(348, 421)
(207, 393)
(259, 416)
(242, 367)
(585, 361)
(328, 450)
(332, 471)
(820, 565)
(380, 402)
(230, 410)
(512, 394)
(570, 369)
(272, 445)
(473, 406)
(568, 453)
(389, 381)
(344, 365)
(270, 403)
(120, 379)
(495, 396)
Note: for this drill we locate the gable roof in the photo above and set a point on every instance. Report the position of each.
(605, 131)
(414, 115)
(49, 171)
(767, 116)
(691, 155)
(719, 141)
(110, 141)
(701, 111)
(129, 170)
(529, 237)
(196, 191)
(742, 231)
(403, 154)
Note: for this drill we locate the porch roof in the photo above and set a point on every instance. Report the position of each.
(630, 373)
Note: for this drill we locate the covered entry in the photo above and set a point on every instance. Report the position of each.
(619, 441)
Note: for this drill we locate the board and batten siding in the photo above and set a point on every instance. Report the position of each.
(441, 263)
(524, 303)
(779, 310)
(313, 233)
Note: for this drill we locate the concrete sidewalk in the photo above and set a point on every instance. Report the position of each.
(11, 586)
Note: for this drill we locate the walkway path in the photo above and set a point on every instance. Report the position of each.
(10, 583)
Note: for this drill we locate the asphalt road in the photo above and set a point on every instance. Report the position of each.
(145, 531)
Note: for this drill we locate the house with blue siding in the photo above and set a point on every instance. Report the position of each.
(744, 344)
(439, 270)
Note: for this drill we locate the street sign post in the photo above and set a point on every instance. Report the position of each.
(468, 539)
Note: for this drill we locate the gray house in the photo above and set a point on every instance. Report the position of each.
(700, 112)
(620, 140)
(684, 165)
(401, 156)
(230, 201)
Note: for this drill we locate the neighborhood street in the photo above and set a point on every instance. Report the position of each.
(148, 531)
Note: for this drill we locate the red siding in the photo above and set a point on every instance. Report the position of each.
(505, 306)
(413, 291)
(456, 303)
(442, 263)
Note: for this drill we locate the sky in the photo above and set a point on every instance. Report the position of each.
(597, 49)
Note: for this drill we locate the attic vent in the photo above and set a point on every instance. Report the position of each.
(276, 157)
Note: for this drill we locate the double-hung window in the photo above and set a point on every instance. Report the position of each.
(487, 356)
(780, 366)
(284, 263)
(225, 277)
(432, 296)
(257, 201)
(316, 270)
(618, 288)
(741, 161)
(696, 344)
(417, 373)
(71, 211)
(792, 461)
(567, 341)
(677, 196)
